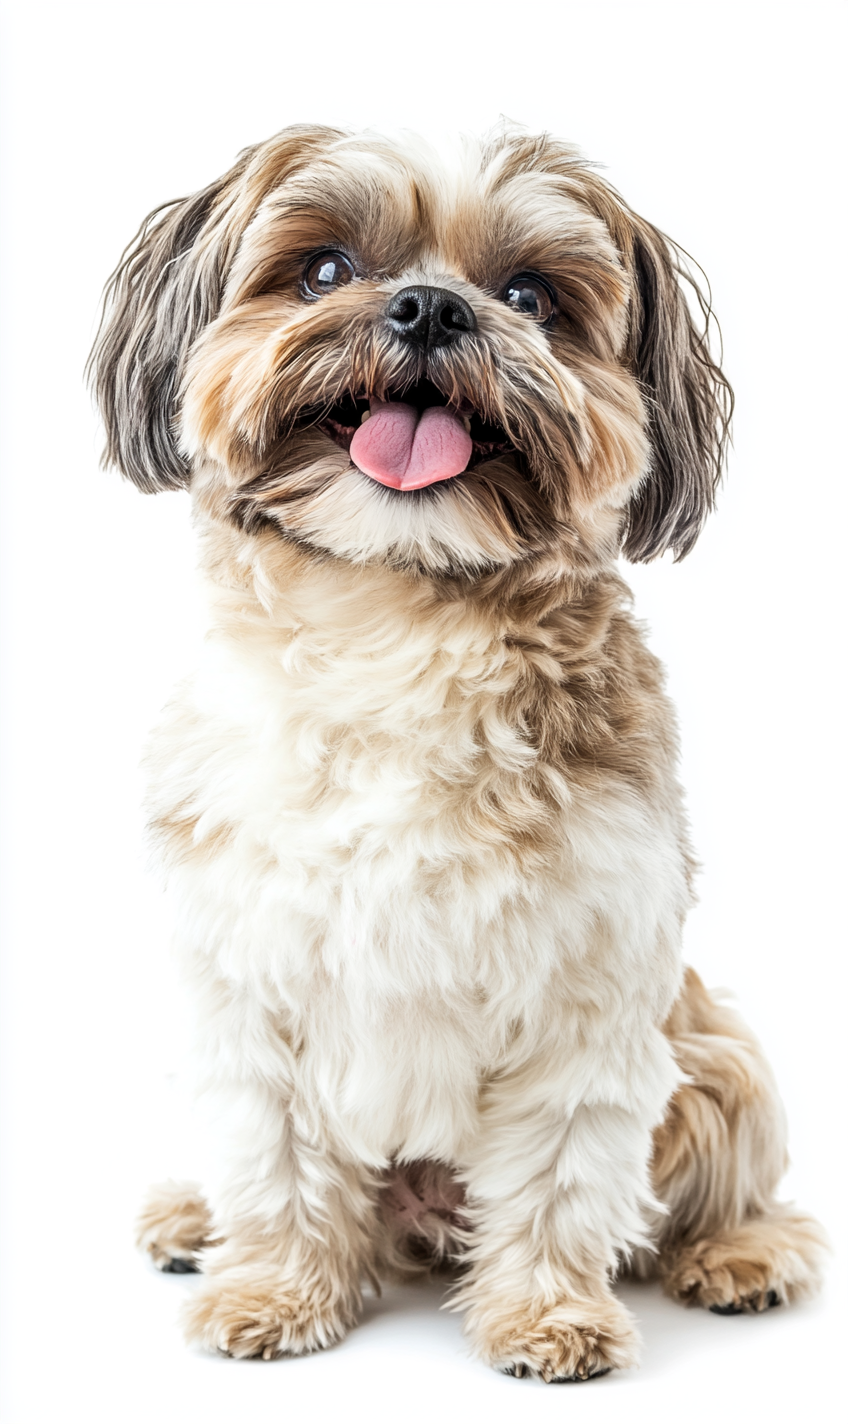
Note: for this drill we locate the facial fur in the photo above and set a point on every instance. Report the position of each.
(606, 423)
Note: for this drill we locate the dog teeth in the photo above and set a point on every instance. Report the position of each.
(466, 420)
(366, 415)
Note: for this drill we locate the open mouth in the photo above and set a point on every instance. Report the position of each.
(412, 437)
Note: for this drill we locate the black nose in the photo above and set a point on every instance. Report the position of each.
(430, 316)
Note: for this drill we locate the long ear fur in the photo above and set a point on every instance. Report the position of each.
(165, 290)
(156, 302)
(690, 402)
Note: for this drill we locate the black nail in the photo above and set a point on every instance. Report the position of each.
(179, 1266)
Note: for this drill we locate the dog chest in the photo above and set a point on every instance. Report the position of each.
(363, 799)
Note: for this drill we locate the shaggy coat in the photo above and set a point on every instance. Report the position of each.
(418, 802)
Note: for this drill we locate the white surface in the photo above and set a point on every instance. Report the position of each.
(720, 123)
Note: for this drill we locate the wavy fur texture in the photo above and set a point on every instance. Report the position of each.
(418, 802)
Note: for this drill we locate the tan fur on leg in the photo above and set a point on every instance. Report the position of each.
(718, 1158)
(286, 1281)
(252, 1312)
(174, 1224)
(721, 1150)
(573, 1340)
(769, 1260)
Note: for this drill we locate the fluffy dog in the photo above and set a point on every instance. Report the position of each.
(418, 803)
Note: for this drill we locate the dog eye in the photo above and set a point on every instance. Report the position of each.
(326, 272)
(529, 295)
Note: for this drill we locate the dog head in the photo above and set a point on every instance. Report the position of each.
(457, 368)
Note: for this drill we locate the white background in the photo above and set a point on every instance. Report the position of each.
(720, 124)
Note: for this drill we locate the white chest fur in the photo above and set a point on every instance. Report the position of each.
(360, 845)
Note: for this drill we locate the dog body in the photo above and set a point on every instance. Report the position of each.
(418, 802)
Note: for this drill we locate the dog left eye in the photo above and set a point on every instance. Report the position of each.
(528, 294)
(326, 272)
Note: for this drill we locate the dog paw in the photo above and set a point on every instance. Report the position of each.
(767, 1261)
(174, 1225)
(726, 1287)
(565, 1344)
(254, 1314)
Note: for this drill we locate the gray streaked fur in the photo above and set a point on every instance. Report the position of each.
(689, 400)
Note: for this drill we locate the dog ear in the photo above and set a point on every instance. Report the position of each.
(689, 400)
(165, 289)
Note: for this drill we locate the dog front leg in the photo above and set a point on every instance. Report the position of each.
(298, 1224)
(555, 1194)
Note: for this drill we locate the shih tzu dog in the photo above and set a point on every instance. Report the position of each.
(418, 803)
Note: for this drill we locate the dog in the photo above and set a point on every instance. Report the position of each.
(418, 803)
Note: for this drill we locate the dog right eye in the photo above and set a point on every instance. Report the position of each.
(327, 272)
(530, 295)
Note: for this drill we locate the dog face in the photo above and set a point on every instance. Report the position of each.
(457, 368)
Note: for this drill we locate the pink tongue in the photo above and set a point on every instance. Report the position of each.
(406, 452)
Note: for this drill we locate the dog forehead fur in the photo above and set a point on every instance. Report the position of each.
(418, 800)
(400, 206)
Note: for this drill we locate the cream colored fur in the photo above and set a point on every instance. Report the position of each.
(417, 805)
(383, 978)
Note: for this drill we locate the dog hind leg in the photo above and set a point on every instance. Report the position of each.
(718, 1157)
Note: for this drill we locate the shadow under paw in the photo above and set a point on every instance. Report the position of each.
(754, 1305)
(520, 1371)
(568, 1343)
